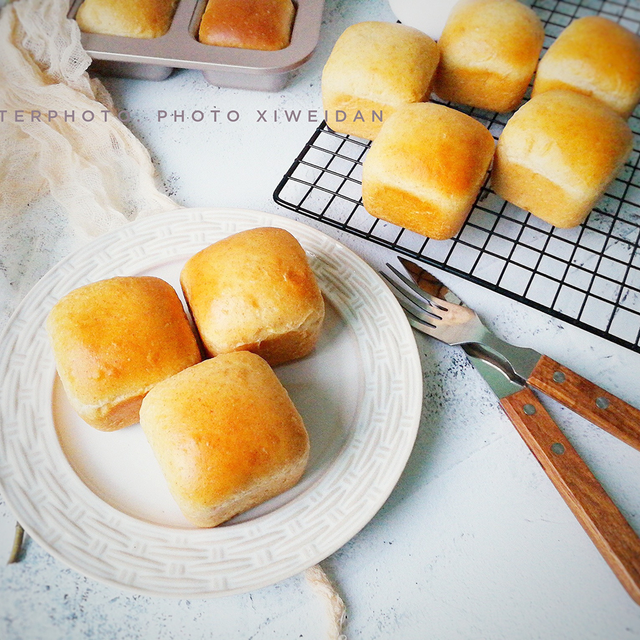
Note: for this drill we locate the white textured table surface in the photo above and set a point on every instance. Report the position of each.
(474, 541)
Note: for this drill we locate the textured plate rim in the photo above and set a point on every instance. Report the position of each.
(52, 503)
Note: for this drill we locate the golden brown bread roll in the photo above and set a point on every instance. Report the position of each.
(374, 68)
(247, 24)
(140, 19)
(114, 340)
(425, 169)
(489, 50)
(255, 291)
(597, 57)
(226, 435)
(558, 153)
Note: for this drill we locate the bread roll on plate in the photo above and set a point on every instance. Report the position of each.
(558, 153)
(597, 57)
(374, 68)
(114, 340)
(489, 50)
(264, 25)
(255, 291)
(226, 435)
(140, 19)
(425, 169)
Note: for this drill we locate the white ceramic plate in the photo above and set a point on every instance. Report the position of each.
(98, 501)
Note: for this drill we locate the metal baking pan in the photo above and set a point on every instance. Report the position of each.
(156, 58)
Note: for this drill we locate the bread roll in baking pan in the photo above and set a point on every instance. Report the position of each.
(247, 24)
(139, 19)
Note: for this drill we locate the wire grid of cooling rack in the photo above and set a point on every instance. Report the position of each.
(588, 276)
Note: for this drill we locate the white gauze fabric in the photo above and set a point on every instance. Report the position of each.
(334, 605)
(90, 162)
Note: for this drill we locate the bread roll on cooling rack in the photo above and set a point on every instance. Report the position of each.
(114, 340)
(489, 50)
(557, 155)
(140, 19)
(247, 24)
(425, 169)
(597, 57)
(255, 291)
(226, 435)
(375, 68)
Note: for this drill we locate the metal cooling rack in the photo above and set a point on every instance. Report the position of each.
(588, 276)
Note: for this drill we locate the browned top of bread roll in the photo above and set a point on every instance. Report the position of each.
(504, 35)
(226, 435)
(375, 68)
(572, 139)
(451, 138)
(425, 168)
(597, 57)
(558, 153)
(255, 290)
(140, 19)
(115, 339)
(381, 61)
(247, 24)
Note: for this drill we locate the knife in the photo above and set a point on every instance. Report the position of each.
(508, 371)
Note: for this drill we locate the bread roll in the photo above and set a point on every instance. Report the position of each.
(140, 19)
(255, 291)
(597, 57)
(374, 68)
(114, 340)
(489, 50)
(226, 435)
(248, 24)
(558, 153)
(425, 169)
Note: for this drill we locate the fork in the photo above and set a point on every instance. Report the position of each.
(447, 319)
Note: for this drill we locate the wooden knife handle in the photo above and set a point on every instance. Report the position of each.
(596, 512)
(588, 400)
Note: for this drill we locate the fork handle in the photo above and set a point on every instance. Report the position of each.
(594, 509)
(588, 400)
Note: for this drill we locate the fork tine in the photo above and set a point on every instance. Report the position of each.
(411, 304)
(423, 327)
(435, 303)
(407, 294)
(418, 319)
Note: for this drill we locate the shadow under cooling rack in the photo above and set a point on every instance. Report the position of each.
(588, 276)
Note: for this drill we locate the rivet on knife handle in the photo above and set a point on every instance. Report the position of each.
(588, 400)
(596, 512)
